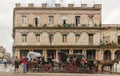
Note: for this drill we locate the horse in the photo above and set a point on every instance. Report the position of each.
(108, 63)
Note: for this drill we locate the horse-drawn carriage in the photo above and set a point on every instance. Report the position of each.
(66, 63)
(36, 62)
(77, 63)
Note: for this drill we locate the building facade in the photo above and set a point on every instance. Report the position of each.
(48, 30)
(2, 53)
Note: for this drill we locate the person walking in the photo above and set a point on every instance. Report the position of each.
(24, 64)
(5, 63)
(16, 64)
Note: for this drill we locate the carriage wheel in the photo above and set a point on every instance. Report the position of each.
(73, 68)
(65, 67)
(46, 68)
(93, 69)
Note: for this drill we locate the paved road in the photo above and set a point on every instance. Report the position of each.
(54, 74)
(7, 72)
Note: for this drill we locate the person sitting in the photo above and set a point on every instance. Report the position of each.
(50, 60)
(83, 61)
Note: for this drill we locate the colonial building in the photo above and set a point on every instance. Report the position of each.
(2, 52)
(48, 30)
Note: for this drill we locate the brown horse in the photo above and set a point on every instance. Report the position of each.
(108, 63)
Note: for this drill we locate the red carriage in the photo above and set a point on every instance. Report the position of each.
(76, 63)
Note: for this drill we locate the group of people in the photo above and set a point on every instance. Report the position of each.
(18, 62)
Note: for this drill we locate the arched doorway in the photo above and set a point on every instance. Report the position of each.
(117, 55)
(107, 55)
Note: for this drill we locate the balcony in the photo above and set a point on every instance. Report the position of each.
(67, 25)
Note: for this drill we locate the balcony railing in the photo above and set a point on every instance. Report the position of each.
(67, 25)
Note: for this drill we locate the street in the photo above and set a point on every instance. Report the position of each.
(54, 74)
(8, 72)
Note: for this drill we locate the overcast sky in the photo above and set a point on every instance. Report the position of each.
(110, 15)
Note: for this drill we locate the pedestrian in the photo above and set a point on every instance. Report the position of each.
(24, 64)
(16, 64)
(5, 63)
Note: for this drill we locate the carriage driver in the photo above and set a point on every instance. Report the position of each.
(83, 61)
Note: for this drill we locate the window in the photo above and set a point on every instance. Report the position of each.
(24, 38)
(77, 37)
(118, 40)
(51, 38)
(77, 20)
(37, 38)
(90, 21)
(64, 21)
(24, 19)
(36, 21)
(64, 38)
(51, 19)
(90, 39)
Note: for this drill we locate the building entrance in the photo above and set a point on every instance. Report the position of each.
(90, 54)
(117, 55)
(23, 53)
(51, 53)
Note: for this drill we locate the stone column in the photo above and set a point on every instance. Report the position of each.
(45, 54)
(101, 54)
(18, 53)
(57, 50)
(112, 55)
(84, 51)
(96, 55)
(70, 51)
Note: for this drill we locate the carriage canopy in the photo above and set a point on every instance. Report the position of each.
(33, 55)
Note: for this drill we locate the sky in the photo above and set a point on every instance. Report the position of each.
(110, 15)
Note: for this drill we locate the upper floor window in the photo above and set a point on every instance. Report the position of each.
(64, 38)
(77, 20)
(24, 19)
(51, 38)
(90, 21)
(77, 37)
(51, 19)
(91, 39)
(24, 38)
(37, 38)
(36, 21)
(118, 40)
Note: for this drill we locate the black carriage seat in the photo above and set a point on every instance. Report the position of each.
(90, 62)
(78, 58)
(62, 56)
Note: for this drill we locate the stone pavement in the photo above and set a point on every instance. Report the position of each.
(54, 74)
